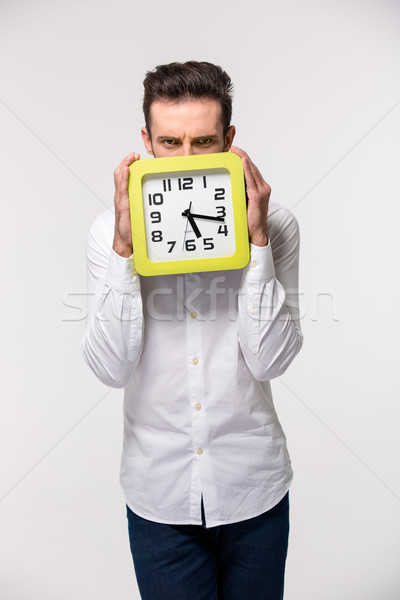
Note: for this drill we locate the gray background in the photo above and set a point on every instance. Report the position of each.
(317, 107)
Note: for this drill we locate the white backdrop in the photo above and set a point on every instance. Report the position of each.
(317, 107)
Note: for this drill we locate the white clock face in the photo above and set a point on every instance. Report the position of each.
(188, 215)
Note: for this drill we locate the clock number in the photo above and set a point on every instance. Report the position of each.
(219, 194)
(185, 183)
(155, 199)
(155, 216)
(190, 245)
(208, 243)
(223, 229)
(156, 236)
(221, 211)
(166, 185)
(172, 246)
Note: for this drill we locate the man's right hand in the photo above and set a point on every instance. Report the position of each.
(122, 244)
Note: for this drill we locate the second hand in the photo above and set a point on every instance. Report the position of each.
(187, 223)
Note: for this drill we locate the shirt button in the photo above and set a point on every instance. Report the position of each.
(199, 451)
(193, 314)
(253, 264)
(252, 310)
(195, 361)
(198, 406)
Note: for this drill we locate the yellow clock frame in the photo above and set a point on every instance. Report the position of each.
(226, 160)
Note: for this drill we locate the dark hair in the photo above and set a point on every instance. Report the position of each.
(185, 81)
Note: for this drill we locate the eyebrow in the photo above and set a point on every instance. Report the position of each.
(161, 138)
(212, 136)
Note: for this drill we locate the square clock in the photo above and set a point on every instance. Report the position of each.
(188, 214)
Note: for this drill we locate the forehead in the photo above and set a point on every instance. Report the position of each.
(193, 117)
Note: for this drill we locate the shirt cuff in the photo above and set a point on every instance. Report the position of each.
(121, 275)
(261, 264)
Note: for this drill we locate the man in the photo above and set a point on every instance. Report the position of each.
(205, 470)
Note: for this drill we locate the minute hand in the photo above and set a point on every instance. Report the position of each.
(208, 217)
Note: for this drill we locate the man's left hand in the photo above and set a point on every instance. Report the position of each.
(258, 193)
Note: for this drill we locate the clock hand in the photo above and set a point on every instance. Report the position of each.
(208, 217)
(184, 237)
(192, 222)
(194, 226)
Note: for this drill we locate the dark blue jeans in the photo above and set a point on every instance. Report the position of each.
(240, 561)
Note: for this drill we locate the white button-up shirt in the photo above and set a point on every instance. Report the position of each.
(195, 354)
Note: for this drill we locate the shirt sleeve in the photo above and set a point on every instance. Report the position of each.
(113, 338)
(269, 325)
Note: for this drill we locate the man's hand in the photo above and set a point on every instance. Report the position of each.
(258, 193)
(123, 233)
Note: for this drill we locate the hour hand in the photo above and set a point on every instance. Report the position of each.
(192, 222)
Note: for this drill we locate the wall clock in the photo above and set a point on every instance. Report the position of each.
(188, 214)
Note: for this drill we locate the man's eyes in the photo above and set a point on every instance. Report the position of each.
(200, 141)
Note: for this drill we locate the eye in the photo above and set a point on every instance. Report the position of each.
(169, 142)
(204, 141)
